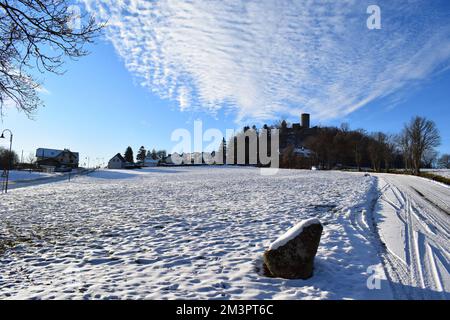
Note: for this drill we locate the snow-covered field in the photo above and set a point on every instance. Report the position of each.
(440, 172)
(15, 175)
(186, 233)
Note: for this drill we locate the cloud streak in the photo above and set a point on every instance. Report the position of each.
(263, 59)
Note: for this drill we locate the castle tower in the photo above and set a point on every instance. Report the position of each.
(305, 120)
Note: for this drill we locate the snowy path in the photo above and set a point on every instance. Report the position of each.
(185, 233)
(414, 222)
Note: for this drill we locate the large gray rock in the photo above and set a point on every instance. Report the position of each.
(291, 256)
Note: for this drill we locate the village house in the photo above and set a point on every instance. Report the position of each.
(303, 152)
(57, 160)
(171, 159)
(149, 161)
(117, 162)
(190, 158)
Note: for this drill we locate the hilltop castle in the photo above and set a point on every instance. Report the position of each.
(297, 134)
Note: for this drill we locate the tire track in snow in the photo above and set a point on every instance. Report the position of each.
(427, 272)
(440, 207)
(364, 224)
(436, 275)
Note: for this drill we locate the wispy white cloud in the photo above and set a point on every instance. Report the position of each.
(43, 90)
(264, 58)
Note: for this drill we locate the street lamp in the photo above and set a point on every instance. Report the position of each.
(10, 155)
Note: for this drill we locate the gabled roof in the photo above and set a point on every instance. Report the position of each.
(72, 154)
(47, 153)
(121, 158)
(53, 153)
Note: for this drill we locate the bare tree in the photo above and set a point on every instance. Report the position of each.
(429, 159)
(288, 157)
(281, 124)
(36, 34)
(31, 158)
(423, 136)
(322, 146)
(444, 161)
(8, 159)
(388, 151)
(376, 150)
(358, 145)
(404, 144)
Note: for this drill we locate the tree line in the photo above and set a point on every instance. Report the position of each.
(411, 149)
(340, 147)
(142, 154)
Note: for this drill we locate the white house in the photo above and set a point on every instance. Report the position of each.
(57, 159)
(173, 158)
(306, 153)
(190, 158)
(117, 162)
(150, 162)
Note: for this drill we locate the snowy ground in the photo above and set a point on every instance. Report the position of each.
(414, 222)
(440, 172)
(165, 233)
(15, 175)
(23, 179)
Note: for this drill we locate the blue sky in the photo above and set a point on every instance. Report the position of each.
(230, 64)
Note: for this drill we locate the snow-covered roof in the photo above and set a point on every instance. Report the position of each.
(118, 156)
(47, 153)
(303, 151)
(150, 160)
(51, 153)
(292, 233)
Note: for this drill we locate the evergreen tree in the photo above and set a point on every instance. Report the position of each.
(224, 150)
(141, 154)
(129, 157)
(221, 155)
(154, 154)
(161, 154)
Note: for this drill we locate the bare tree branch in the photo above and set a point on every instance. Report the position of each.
(36, 34)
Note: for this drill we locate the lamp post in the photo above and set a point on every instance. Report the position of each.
(10, 155)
